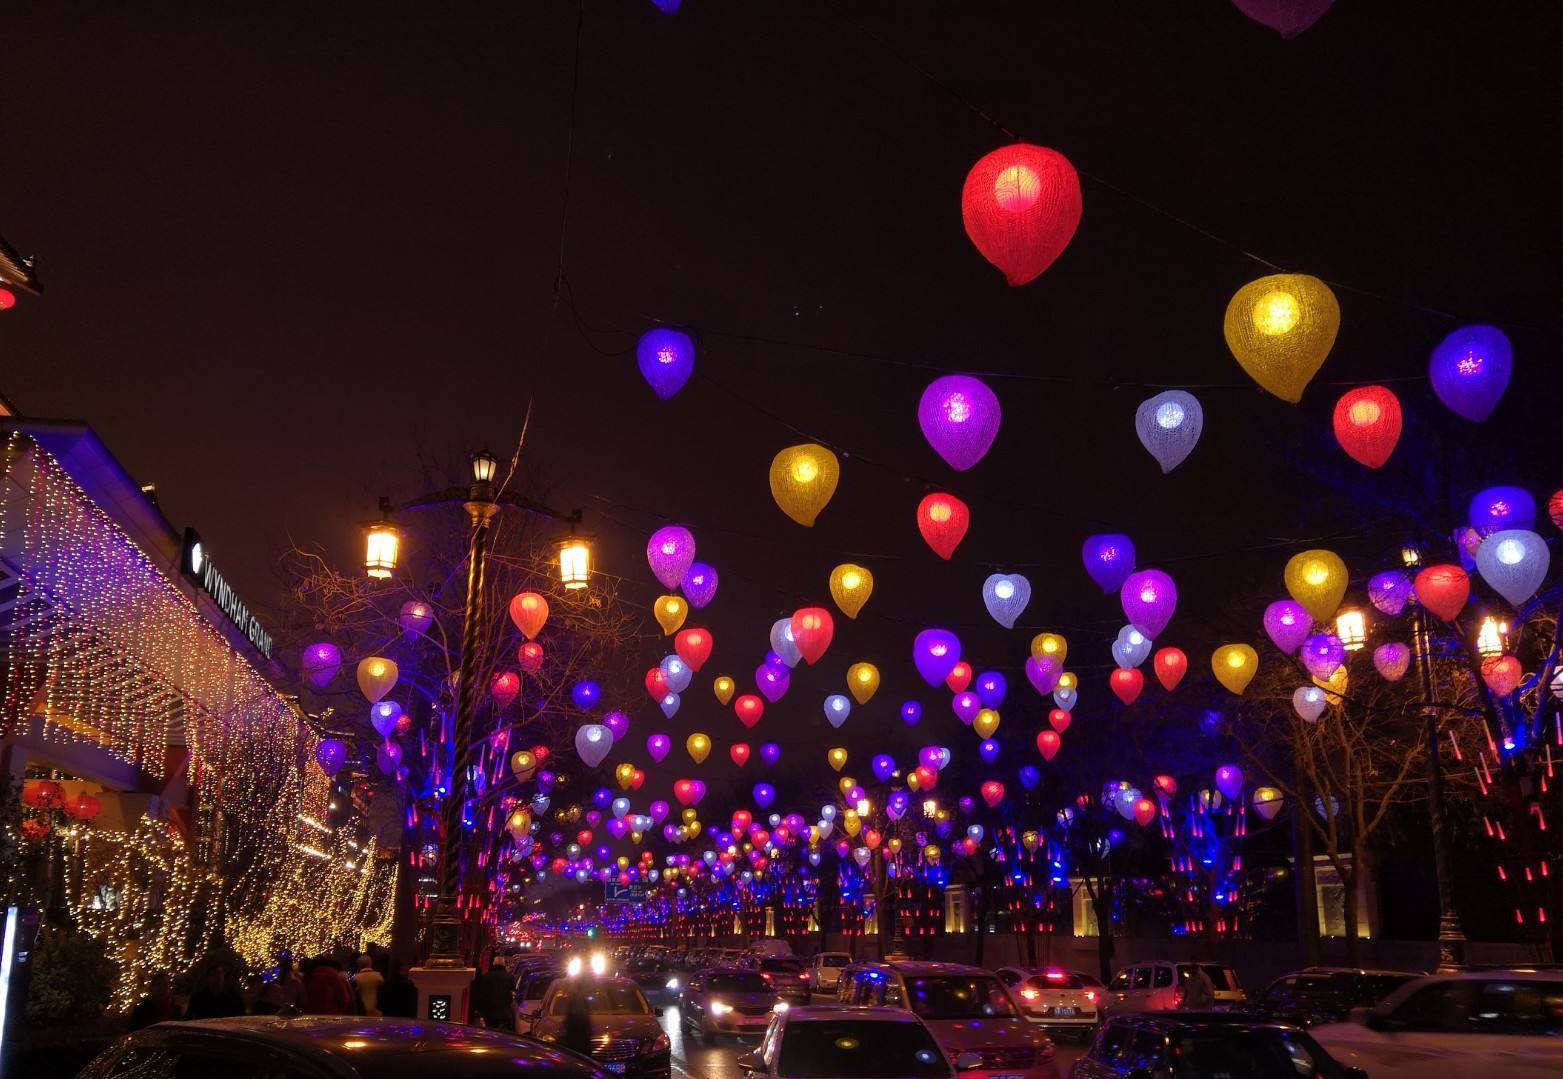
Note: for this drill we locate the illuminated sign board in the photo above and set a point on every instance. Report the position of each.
(199, 567)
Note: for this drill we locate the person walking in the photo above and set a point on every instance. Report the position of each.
(290, 986)
(1199, 992)
(325, 992)
(398, 996)
(367, 983)
(158, 1006)
(215, 999)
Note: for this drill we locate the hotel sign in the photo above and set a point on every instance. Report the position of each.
(200, 569)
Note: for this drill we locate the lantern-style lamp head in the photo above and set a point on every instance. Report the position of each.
(1351, 626)
(382, 544)
(1409, 555)
(575, 562)
(484, 465)
(1492, 638)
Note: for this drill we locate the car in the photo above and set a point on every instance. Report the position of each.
(790, 977)
(626, 1038)
(1057, 1000)
(1446, 1025)
(865, 1043)
(771, 946)
(1318, 995)
(655, 978)
(529, 997)
(1192, 1044)
(826, 968)
(968, 1010)
(726, 1001)
(1157, 985)
(330, 1047)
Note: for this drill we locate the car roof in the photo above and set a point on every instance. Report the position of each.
(1032, 971)
(833, 1011)
(1355, 970)
(1416, 984)
(1198, 1020)
(1176, 963)
(924, 967)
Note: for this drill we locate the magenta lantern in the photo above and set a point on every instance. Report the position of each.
(959, 416)
(966, 706)
(666, 359)
(415, 618)
(670, 553)
(1392, 660)
(1229, 780)
(1470, 370)
(657, 745)
(772, 680)
(1286, 17)
(1043, 674)
(1288, 623)
(320, 662)
(1390, 591)
(699, 584)
(1322, 654)
(1109, 559)
(935, 653)
(1149, 597)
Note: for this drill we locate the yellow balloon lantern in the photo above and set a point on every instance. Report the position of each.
(851, 822)
(689, 814)
(625, 774)
(893, 845)
(931, 854)
(1067, 680)
(1317, 580)
(1280, 328)
(699, 747)
(803, 478)
(694, 827)
(837, 758)
(1268, 802)
(376, 676)
(670, 612)
(724, 687)
(912, 782)
(1334, 686)
(850, 587)
(1234, 666)
(986, 723)
(1049, 644)
(862, 681)
(846, 783)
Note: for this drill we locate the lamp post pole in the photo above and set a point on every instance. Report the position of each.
(1451, 934)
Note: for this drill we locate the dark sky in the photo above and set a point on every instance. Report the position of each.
(285, 256)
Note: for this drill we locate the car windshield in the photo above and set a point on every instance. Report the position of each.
(1247, 1054)
(864, 1049)
(832, 960)
(1058, 979)
(536, 987)
(1221, 978)
(603, 998)
(1375, 987)
(646, 966)
(738, 981)
(954, 996)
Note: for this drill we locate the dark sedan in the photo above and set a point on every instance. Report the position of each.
(1321, 995)
(330, 1047)
(1199, 1045)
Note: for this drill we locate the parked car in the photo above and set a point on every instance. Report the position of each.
(330, 1047)
(865, 1043)
(1233, 1047)
(1454, 1025)
(790, 977)
(826, 968)
(655, 978)
(968, 1010)
(626, 1037)
(1059, 1001)
(1158, 985)
(726, 1000)
(1325, 994)
(529, 997)
(772, 946)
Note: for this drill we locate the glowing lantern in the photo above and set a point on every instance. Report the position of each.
(911, 713)
(1367, 424)
(837, 758)
(966, 706)
(385, 716)
(504, 688)
(693, 647)
(1048, 743)
(1280, 328)
(1109, 559)
(803, 479)
(1514, 562)
(764, 795)
(689, 792)
(1335, 685)
(529, 611)
(669, 705)
(935, 653)
(959, 416)
(1060, 719)
(850, 587)
(943, 520)
(1170, 665)
(670, 552)
(1050, 646)
(1044, 673)
(1443, 589)
(1127, 684)
(773, 680)
(1267, 802)
(330, 754)
(985, 722)
(592, 743)
(1021, 205)
(883, 765)
(959, 677)
(1234, 666)
(1149, 597)
(749, 708)
(1470, 370)
(1006, 596)
(1392, 660)
(723, 687)
(1498, 508)
(624, 774)
(657, 683)
(657, 746)
(530, 657)
(770, 753)
(992, 792)
(1502, 674)
(1144, 811)
(376, 676)
(991, 687)
(1131, 648)
(319, 663)
(1309, 702)
(1555, 508)
(670, 612)
(1389, 591)
(1229, 780)
(7, 299)
(1169, 426)
(699, 584)
(699, 747)
(1317, 580)
(812, 630)
(862, 681)
(837, 708)
(586, 693)
(415, 617)
(1322, 654)
(666, 359)
(1286, 17)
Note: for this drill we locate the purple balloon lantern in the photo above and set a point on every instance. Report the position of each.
(897, 804)
(911, 712)
(988, 750)
(1043, 674)
(1149, 597)
(415, 618)
(1390, 591)
(959, 416)
(1392, 660)
(1500, 508)
(931, 757)
(935, 652)
(1109, 559)
(991, 687)
(1229, 780)
(618, 723)
(658, 811)
(383, 717)
(388, 758)
(772, 680)
(1322, 654)
(882, 764)
(320, 662)
(1470, 370)
(670, 552)
(666, 359)
(657, 745)
(966, 706)
(967, 804)
(1030, 777)
(770, 753)
(764, 795)
(699, 584)
(585, 694)
(1288, 623)
(618, 827)
(330, 754)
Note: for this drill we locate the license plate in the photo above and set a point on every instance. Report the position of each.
(616, 1066)
(1063, 1011)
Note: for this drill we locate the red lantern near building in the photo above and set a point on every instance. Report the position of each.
(1021, 206)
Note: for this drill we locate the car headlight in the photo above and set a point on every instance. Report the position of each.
(781, 1006)
(718, 1008)
(659, 1044)
(673, 984)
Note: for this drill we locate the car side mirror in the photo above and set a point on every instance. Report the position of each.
(966, 1062)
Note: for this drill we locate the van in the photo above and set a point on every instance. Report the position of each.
(1157, 985)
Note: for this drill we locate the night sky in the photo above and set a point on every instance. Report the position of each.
(286, 257)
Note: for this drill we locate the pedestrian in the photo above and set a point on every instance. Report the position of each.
(325, 992)
(398, 996)
(367, 983)
(158, 1006)
(215, 999)
(576, 1033)
(1199, 992)
(290, 986)
(493, 999)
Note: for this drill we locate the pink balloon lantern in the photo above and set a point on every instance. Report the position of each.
(670, 552)
(959, 416)
(618, 723)
(320, 662)
(1288, 623)
(1392, 660)
(1149, 598)
(1390, 591)
(1286, 17)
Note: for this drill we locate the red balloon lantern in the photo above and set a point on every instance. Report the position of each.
(960, 677)
(7, 299)
(749, 708)
(927, 778)
(43, 794)
(656, 684)
(1048, 743)
(637, 777)
(1127, 684)
(812, 630)
(1021, 206)
(1443, 589)
(742, 818)
(1502, 674)
(1171, 665)
(505, 688)
(1060, 720)
(1144, 811)
(530, 657)
(1555, 508)
(693, 647)
(992, 793)
(943, 520)
(740, 753)
(1367, 424)
(83, 807)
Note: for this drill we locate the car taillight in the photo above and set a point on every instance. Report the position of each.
(1090, 994)
(1177, 998)
(1030, 994)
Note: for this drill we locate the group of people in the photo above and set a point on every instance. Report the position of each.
(370, 983)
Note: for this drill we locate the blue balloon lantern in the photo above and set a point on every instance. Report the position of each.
(585, 694)
(666, 359)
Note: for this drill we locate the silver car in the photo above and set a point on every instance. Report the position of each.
(726, 1000)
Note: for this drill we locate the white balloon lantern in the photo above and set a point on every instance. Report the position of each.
(1065, 698)
(1514, 562)
(676, 673)
(1309, 701)
(837, 708)
(783, 644)
(1006, 595)
(1169, 426)
(670, 705)
(592, 742)
(1131, 648)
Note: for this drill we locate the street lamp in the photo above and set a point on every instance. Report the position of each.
(1351, 626)
(382, 544)
(1410, 556)
(1491, 639)
(575, 562)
